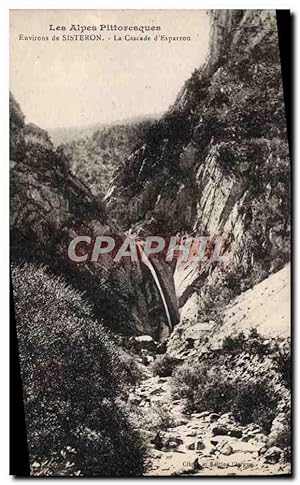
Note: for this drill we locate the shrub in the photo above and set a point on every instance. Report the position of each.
(155, 418)
(234, 343)
(131, 372)
(282, 439)
(248, 377)
(253, 343)
(282, 358)
(164, 365)
(216, 389)
(71, 379)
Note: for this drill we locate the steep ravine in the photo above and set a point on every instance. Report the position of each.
(217, 163)
(49, 207)
(182, 443)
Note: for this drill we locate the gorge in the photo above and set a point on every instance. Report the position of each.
(194, 338)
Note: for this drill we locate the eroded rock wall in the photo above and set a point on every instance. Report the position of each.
(49, 207)
(217, 163)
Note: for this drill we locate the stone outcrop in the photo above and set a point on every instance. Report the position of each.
(16, 127)
(265, 307)
(37, 136)
(49, 207)
(217, 163)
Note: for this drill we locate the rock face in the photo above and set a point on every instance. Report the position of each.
(265, 307)
(249, 310)
(16, 127)
(93, 157)
(217, 163)
(49, 207)
(34, 135)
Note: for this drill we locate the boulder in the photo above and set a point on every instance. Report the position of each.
(236, 433)
(224, 448)
(196, 445)
(171, 442)
(236, 444)
(258, 438)
(180, 422)
(199, 445)
(226, 418)
(156, 391)
(144, 342)
(273, 455)
(191, 446)
(134, 400)
(148, 360)
(253, 428)
(204, 414)
(213, 417)
(220, 431)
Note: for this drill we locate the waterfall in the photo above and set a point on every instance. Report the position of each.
(147, 262)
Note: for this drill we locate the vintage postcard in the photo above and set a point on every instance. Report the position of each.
(150, 243)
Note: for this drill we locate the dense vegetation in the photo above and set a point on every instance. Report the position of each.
(73, 374)
(249, 377)
(164, 365)
(75, 378)
(94, 158)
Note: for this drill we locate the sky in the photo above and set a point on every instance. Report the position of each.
(62, 84)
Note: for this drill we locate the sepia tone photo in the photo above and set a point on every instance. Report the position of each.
(150, 242)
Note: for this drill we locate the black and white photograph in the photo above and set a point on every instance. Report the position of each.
(150, 242)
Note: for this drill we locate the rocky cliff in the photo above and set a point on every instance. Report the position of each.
(214, 398)
(217, 163)
(49, 207)
(93, 158)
